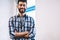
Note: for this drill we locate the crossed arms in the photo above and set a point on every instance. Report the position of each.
(25, 34)
(22, 34)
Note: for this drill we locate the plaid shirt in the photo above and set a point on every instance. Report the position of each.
(26, 24)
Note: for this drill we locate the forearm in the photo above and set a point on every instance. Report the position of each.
(20, 34)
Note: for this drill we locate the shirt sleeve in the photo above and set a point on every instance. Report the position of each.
(11, 28)
(32, 31)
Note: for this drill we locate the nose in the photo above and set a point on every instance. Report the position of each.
(22, 6)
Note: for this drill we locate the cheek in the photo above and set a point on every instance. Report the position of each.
(25, 7)
(18, 7)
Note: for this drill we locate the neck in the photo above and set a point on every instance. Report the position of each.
(21, 14)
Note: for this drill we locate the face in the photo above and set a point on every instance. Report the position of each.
(22, 7)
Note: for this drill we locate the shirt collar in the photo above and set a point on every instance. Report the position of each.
(20, 16)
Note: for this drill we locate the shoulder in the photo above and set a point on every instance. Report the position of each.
(12, 18)
(29, 17)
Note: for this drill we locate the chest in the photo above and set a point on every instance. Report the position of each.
(18, 22)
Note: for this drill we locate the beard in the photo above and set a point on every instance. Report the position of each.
(22, 10)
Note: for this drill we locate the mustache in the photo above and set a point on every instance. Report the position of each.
(21, 8)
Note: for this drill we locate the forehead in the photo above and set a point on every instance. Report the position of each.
(22, 2)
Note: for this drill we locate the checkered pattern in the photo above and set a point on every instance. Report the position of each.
(27, 24)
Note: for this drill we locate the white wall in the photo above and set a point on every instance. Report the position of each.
(48, 20)
(4, 14)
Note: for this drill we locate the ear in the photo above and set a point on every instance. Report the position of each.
(17, 6)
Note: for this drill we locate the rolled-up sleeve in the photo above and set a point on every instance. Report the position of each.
(32, 31)
(11, 28)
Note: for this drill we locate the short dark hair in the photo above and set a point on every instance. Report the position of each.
(22, 1)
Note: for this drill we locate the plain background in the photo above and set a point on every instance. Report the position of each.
(47, 19)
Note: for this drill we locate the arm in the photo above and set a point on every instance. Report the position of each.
(20, 34)
(11, 28)
(31, 33)
(13, 32)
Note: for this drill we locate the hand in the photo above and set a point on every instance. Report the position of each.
(27, 35)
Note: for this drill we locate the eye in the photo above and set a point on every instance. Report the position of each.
(24, 5)
(20, 5)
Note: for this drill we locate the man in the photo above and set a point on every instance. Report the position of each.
(21, 27)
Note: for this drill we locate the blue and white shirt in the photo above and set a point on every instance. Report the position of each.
(21, 24)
